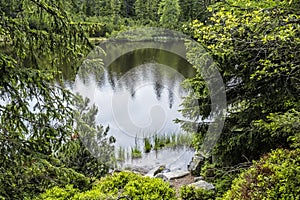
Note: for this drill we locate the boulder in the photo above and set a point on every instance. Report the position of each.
(176, 174)
(198, 178)
(138, 169)
(162, 176)
(156, 171)
(202, 184)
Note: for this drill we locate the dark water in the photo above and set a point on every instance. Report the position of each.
(138, 96)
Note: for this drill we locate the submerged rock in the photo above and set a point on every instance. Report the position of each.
(165, 170)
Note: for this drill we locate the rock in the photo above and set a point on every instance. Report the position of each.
(140, 170)
(155, 171)
(176, 174)
(162, 176)
(202, 184)
(198, 178)
(165, 170)
(160, 169)
(195, 165)
(172, 175)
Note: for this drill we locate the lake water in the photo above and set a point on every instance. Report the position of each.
(138, 96)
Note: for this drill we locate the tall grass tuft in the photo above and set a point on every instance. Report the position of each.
(121, 154)
(135, 151)
(147, 145)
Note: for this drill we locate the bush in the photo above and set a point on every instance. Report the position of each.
(191, 193)
(36, 177)
(221, 177)
(59, 193)
(275, 176)
(136, 186)
(133, 186)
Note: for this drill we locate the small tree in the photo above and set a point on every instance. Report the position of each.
(255, 45)
(90, 150)
(36, 113)
(169, 11)
(146, 9)
(116, 9)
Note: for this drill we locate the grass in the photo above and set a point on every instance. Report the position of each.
(159, 142)
(172, 140)
(135, 153)
(156, 143)
(184, 139)
(147, 145)
(121, 154)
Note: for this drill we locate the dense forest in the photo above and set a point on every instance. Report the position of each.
(256, 48)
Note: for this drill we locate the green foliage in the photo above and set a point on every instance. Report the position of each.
(136, 186)
(275, 176)
(146, 9)
(37, 43)
(147, 188)
(36, 176)
(254, 44)
(221, 177)
(69, 192)
(123, 184)
(29, 133)
(116, 9)
(280, 126)
(169, 11)
(90, 151)
(191, 193)
(194, 9)
(59, 193)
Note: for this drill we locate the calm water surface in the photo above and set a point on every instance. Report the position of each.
(138, 96)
